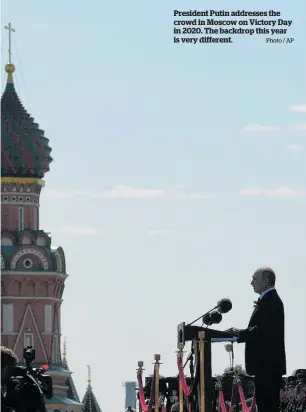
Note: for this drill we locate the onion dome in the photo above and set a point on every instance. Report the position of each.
(25, 151)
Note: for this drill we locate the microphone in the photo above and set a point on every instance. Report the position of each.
(224, 305)
(228, 347)
(212, 318)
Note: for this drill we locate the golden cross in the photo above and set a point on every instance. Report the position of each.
(10, 30)
(89, 374)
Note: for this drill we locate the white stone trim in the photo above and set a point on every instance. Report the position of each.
(9, 333)
(31, 298)
(29, 310)
(30, 251)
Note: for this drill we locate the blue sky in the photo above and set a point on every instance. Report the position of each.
(178, 170)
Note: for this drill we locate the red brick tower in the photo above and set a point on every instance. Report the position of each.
(33, 272)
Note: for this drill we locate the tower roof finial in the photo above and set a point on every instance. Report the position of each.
(89, 375)
(9, 67)
(65, 350)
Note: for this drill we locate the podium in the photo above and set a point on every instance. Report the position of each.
(202, 363)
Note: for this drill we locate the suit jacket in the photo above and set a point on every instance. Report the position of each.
(3, 407)
(265, 337)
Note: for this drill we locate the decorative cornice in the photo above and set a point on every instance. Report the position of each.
(30, 194)
(59, 373)
(31, 298)
(23, 204)
(33, 273)
(65, 387)
(23, 180)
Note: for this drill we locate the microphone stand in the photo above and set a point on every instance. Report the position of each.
(230, 361)
(191, 353)
(189, 357)
(232, 352)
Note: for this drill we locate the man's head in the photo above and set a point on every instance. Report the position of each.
(8, 361)
(263, 279)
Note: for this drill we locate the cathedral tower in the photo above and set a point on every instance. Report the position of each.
(89, 401)
(33, 272)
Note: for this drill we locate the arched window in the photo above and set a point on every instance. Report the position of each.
(55, 352)
(59, 264)
(21, 219)
(8, 318)
(28, 340)
(48, 318)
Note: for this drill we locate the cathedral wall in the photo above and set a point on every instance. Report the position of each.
(19, 216)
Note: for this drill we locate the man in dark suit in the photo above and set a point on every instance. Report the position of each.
(8, 361)
(264, 339)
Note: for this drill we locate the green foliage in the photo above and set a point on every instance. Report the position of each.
(238, 370)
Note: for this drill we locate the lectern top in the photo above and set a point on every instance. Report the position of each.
(187, 333)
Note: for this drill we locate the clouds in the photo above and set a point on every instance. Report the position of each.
(63, 194)
(271, 128)
(161, 232)
(78, 230)
(299, 108)
(280, 131)
(130, 192)
(178, 193)
(261, 128)
(83, 230)
(301, 127)
(257, 128)
(292, 147)
(281, 191)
